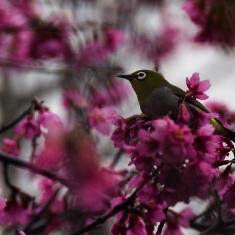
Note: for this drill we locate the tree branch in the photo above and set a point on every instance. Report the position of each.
(13, 123)
(10, 159)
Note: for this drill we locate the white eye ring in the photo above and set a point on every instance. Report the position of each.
(141, 75)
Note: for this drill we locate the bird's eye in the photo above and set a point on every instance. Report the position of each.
(141, 75)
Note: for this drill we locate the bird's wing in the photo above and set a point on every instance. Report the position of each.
(181, 94)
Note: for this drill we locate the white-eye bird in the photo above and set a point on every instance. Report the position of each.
(157, 97)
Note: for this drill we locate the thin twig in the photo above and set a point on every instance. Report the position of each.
(10, 159)
(13, 123)
(7, 180)
(41, 212)
(116, 158)
(116, 209)
(218, 204)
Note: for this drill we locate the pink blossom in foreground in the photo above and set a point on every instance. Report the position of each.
(11, 146)
(22, 233)
(197, 177)
(28, 127)
(98, 119)
(175, 141)
(15, 214)
(224, 181)
(197, 87)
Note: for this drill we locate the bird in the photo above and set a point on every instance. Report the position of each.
(157, 98)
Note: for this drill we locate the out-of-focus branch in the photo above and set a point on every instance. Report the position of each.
(103, 219)
(14, 64)
(116, 158)
(13, 123)
(41, 212)
(115, 210)
(10, 159)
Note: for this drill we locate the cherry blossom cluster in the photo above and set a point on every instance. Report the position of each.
(174, 162)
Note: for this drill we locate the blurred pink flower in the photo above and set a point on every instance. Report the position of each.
(73, 97)
(22, 233)
(98, 119)
(15, 214)
(97, 51)
(197, 177)
(174, 220)
(113, 38)
(215, 19)
(28, 127)
(50, 39)
(50, 121)
(197, 87)
(205, 143)
(224, 181)
(11, 146)
(53, 152)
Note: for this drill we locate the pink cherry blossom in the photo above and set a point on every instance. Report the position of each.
(197, 177)
(175, 141)
(22, 233)
(98, 119)
(205, 143)
(11, 146)
(224, 180)
(197, 87)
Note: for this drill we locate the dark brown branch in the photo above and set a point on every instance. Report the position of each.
(13, 123)
(10, 159)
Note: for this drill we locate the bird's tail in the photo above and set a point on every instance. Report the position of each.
(220, 129)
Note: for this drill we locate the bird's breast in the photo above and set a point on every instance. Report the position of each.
(160, 102)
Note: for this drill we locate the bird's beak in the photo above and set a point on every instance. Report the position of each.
(128, 77)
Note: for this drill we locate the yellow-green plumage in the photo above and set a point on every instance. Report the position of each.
(157, 97)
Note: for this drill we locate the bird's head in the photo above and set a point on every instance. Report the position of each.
(144, 82)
